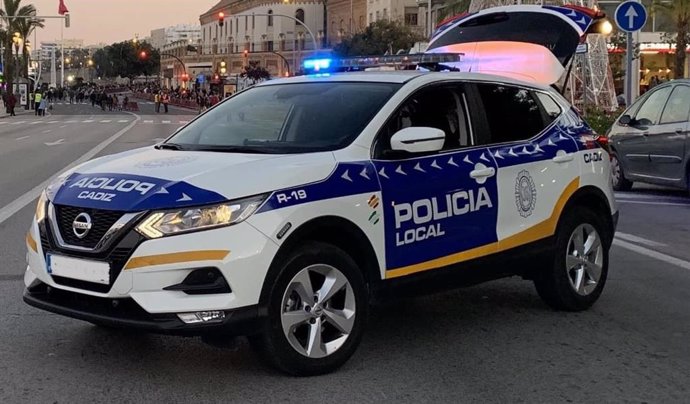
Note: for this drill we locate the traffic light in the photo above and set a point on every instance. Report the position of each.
(221, 19)
(246, 53)
(223, 68)
(67, 20)
(142, 55)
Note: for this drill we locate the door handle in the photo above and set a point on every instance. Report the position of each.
(563, 158)
(483, 173)
(680, 131)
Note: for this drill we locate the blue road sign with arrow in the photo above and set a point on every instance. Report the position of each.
(631, 16)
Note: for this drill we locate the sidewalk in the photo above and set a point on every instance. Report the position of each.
(19, 111)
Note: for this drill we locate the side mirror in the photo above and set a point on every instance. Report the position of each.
(418, 140)
(625, 120)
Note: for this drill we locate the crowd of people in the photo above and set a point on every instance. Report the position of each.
(203, 99)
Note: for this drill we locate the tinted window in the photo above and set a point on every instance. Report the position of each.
(678, 106)
(441, 107)
(551, 108)
(649, 112)
(288, 118)
(512, 113)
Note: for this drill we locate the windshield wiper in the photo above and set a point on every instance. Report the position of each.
(168, 146)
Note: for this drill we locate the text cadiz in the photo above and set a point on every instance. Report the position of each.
(424, 211)
(109, 184)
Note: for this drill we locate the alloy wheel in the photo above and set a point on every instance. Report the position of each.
(584, 259)
(615, 171)
(318, 311)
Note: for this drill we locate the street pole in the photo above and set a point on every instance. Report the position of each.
(428, 18)
(629, 69)
(62, 56)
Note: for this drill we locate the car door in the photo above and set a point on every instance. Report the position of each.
(666, 143)
(631, 142)
(525, 132)
(439, 208)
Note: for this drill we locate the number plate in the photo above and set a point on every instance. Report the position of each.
(83, 270)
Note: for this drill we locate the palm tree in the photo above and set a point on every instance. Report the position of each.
(679, 12)
(13, 8)
(26, 27)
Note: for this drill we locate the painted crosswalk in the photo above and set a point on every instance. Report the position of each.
(95, 121)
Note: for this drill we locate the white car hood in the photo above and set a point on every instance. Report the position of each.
(147, 178)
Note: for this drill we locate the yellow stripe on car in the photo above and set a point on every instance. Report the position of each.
(175, 258)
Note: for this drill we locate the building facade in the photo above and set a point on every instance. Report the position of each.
(181, 32)
(345, 18)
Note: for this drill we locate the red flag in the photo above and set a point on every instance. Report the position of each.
(62, 9)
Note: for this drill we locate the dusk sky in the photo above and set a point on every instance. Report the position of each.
(110, 21)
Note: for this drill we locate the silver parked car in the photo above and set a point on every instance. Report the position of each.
(649, 142)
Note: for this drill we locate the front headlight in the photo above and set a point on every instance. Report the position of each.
(41, 207)
(159, 224)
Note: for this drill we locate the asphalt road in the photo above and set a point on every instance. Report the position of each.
(495, 342)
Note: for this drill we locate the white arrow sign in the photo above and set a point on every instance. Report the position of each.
(631, 14)
(57, 142)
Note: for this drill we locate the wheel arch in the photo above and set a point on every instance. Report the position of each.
(334, 230)
(593, 198)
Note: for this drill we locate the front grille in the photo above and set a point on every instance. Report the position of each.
(101, 221)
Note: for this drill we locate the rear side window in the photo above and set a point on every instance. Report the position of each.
(512, 113)
(678, 106)
(650, 111)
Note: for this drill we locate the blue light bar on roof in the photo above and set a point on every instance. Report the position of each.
(317, 64)
(396, 62)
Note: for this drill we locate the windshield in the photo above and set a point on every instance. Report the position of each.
(287, 118)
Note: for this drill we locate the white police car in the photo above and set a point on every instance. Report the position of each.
(284, 210)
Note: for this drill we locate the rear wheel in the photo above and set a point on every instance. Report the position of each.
(618, 175)
(579, 269)
(316, 312)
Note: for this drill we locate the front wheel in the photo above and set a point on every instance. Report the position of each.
(316, 312)
(579, 269)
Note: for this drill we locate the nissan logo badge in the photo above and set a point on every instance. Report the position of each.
(81, 225)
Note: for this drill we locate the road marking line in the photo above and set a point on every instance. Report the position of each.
(122, 121)
(47, 131)
(18, 123)
(72, 121)
(147, 121)
(53, 121)
(18, 204)
(165, 121)
(639, 240)
(652, 254)
(57, 142)
(106, 121)
(23, 137)
(184, 122)
(87, 121)
(63, 126)
(35, 123)
(4, 123)
(654, 203)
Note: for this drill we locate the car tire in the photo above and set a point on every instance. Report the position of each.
(577, 274)
(306, 335)
(620, 183)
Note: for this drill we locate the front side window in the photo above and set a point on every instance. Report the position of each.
(677, 108)
(287, 118)
(512, 113)
(440, 107)
(650, 111)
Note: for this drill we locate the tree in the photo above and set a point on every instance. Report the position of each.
(679, 12)
(127, 59)
(452, 8)
(12, 7)
(26, 27)
(378, 38)
(255, 72)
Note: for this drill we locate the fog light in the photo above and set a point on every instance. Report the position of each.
(202, 317)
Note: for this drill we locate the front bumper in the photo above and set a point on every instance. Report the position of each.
(126, 313)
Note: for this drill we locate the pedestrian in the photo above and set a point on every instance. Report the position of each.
(165, 100)
(157, 101)
(11, 103)
(125, 103)
(37, 101)
(42, 107)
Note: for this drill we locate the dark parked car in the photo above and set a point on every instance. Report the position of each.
(649, 142)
